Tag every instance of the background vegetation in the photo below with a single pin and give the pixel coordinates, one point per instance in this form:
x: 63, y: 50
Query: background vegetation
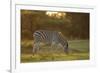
x: 74, y: 26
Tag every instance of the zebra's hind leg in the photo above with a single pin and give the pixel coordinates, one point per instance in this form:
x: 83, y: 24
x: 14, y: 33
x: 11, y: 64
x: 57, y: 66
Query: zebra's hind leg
x: 35, y: 48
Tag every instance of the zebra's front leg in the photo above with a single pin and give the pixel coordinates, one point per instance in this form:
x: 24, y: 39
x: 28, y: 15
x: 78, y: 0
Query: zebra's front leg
x: 54, y: 45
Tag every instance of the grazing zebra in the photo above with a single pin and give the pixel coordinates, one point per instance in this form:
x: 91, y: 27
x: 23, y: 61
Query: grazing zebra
x: 49, y: 37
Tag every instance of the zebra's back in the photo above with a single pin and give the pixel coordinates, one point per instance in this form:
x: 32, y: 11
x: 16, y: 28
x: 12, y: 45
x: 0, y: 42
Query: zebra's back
x: 45, y: 35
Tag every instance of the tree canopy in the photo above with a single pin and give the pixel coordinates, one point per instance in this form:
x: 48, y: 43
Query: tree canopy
x: 73, y: 25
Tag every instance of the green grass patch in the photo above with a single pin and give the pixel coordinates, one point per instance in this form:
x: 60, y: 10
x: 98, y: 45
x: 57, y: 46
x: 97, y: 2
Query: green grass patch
x: 78, y: 50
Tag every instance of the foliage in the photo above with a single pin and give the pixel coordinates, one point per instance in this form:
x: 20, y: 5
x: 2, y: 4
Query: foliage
x: 72, y: 25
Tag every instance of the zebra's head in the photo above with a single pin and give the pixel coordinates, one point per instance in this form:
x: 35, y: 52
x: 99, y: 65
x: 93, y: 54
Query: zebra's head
x: 66, y: 48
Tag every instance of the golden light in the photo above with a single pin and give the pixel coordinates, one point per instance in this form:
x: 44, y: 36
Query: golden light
x: 55, y: 14
x: 51, y: 13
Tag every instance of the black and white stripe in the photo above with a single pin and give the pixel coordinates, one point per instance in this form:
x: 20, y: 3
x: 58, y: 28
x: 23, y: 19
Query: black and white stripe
x: 49, y: 37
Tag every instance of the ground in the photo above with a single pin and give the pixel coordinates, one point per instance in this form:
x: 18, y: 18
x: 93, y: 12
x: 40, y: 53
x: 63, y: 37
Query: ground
x: 78, y: 50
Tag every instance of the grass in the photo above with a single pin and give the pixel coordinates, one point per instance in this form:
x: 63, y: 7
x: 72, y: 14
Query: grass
x: 78, y: 50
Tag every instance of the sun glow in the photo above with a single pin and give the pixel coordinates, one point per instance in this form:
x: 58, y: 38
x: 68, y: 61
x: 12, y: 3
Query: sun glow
x: 56, y: 14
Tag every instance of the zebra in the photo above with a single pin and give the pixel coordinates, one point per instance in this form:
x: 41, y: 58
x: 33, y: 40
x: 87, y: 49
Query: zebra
x: 49, y: 37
